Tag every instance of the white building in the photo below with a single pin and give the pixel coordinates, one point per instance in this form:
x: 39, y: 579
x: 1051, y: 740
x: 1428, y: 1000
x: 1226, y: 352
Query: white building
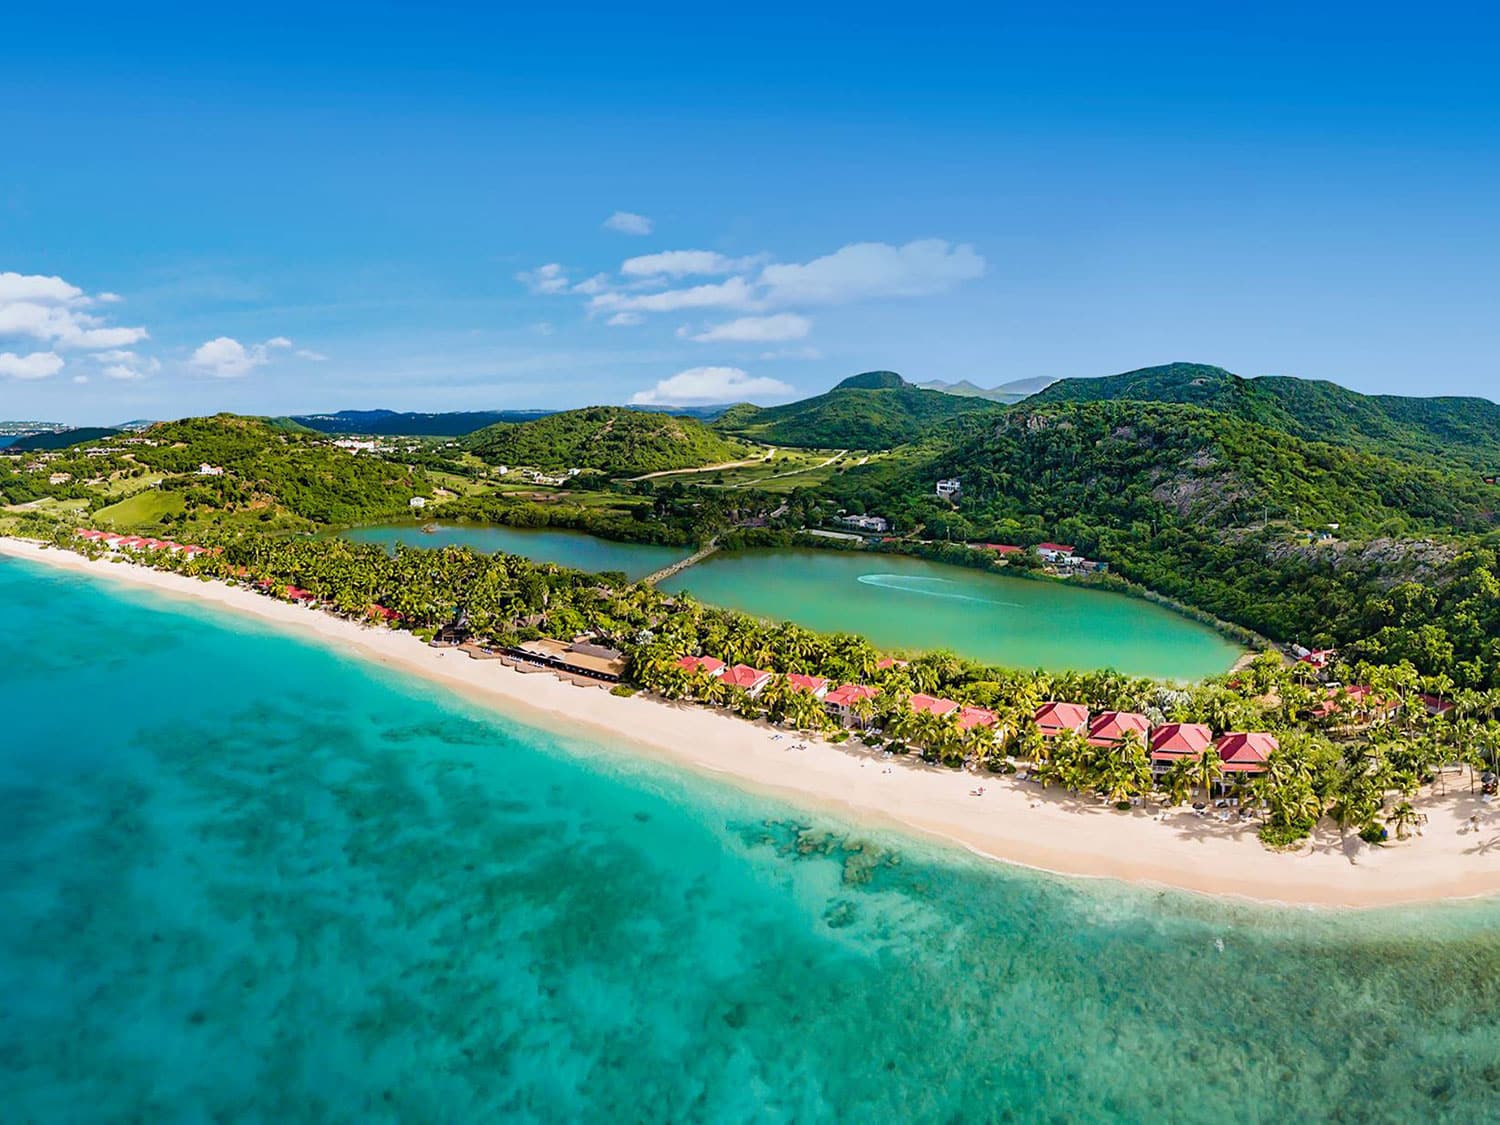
x: 207, y: 470
x: 419, y: 502
x: 950, y: 489
x: 866, y: 523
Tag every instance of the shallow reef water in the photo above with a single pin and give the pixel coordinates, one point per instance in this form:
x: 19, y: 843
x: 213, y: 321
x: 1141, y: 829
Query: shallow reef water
x: 243, y: 877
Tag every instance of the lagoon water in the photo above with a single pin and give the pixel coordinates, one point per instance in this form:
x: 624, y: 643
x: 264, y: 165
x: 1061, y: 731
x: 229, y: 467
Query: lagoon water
x: 569, y: 548
x: 910, y: 603
x: 243, y: 877
x: 898, y: 602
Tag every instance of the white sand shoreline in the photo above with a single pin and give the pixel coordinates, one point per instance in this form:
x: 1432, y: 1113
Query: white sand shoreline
x: 1012, y: 822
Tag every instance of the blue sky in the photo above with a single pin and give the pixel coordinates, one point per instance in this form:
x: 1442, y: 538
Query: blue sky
x: 283, y: 210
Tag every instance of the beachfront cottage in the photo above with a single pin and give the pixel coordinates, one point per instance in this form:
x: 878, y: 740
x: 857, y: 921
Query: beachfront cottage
x: 817, y: 685
x: 843, y: 704
x: 1246, y: 752
x: 1112, y: 728
x: 751, y: 680
x: 1171, y: 742
x: 932, y: 705
x: 1053, y: 718
x: 971, y: 717
x: 692, y: 664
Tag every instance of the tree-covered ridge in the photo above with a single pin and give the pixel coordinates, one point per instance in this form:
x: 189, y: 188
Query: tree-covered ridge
x: 1463, y: 431
x: 1228, y: 516
x: 611, y: 439
x: 271, y: 474
x: 874, y: 410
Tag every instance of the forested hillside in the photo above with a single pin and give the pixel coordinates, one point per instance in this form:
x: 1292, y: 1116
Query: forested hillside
x: 874, y: 410
x: 611, y: 439
x: 1227, y: 515
x: 1454, y: 431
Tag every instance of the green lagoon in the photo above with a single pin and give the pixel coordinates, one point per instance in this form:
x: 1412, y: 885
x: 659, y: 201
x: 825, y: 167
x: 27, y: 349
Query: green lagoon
x: 897, y: 602
x: 910, y: 603
x: 567, y: 548
x: 246, y: 878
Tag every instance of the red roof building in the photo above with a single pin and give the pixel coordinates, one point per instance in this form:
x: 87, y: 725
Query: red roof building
x: 889, y: 662
x: 383, y: 613
x: 1437, y: 706
x: 932, y: 705
x: 1172, y: 741
x: 1054, y: 548
x: 1053, y: 718
x: 971, y: 717
x: 817, y: 685
x: 1246, y: 753
x: 1359, y: 700
x: 1111, y: 728
x: 840, y: 702
x: 1003, y: 548
x: 750, y: 679
x: 709, y: 664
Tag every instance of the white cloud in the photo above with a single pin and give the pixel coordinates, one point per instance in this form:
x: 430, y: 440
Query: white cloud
x: 754, y: 329
x: 126, y: 365
x: 625, y: 320
x: 589, y: 286
x: 543, y: 328
x: 706, y: 385
x: 625, y: 222
x: 682, y: 263
x: 873, y: 269
x: 793, y: 353
x: 545, y: 279
x: 36, y: 287
x: 53, y: 310
x: 80, y: 379
x: 226, y: 358
x: 730, y: 294
x: 308, y: 353
x: 36, y: 365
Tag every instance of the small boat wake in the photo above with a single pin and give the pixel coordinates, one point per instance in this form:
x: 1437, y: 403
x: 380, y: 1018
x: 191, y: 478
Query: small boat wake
x: 930, y: 588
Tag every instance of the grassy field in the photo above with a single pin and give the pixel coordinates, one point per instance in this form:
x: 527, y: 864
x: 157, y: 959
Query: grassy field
x: 140, y: 510
x: 787, y: 470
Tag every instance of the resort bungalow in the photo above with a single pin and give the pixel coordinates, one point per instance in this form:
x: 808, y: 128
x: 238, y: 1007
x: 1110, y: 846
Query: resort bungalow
x: 752, y: 680
x: 692, y: 664
x: 840, y: 703
x: 971, y: 717
x: 1053, y: 718
x: 1112, y: 728
x: 1436, y: 706
x: 932, y: 705
x: 1172, y: 742
x: 1055, y: 552
x: 887, y: 662
x: 1246, y: 753
x: 817, y: 685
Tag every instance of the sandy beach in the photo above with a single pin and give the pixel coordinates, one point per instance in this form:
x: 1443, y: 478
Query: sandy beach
x: 1011, y: 821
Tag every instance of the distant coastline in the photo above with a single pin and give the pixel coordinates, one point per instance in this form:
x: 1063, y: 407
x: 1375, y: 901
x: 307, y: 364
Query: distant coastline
x: 1011, y: 821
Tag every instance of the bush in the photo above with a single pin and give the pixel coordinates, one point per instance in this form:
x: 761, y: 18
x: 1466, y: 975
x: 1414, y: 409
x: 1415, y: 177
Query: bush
x: 1283, y: 835
x: 624, y: 691
x: 1373, y: 834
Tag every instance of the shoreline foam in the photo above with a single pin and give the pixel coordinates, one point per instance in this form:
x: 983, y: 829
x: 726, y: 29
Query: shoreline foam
x: 1012, y: 822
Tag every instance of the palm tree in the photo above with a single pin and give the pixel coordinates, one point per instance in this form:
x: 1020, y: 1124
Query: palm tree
x: 1207, y: 768
x: 1403, y: 818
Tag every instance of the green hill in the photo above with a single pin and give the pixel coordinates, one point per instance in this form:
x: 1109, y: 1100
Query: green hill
x: 1450, y: 430
x: 874, y: 410
x: 612, y: 439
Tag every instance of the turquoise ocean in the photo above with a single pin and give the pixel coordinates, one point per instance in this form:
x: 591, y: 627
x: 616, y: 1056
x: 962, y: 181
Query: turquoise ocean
x: 246, y: 878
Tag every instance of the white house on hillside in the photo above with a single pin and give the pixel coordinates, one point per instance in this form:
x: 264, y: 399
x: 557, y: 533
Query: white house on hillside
x: 950, y: 489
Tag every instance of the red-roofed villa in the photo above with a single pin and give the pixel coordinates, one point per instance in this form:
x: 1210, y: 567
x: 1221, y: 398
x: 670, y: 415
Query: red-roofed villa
x: 817, y: 685
x: 1111, y: 728
x: 1246, y: 752
x: 1053, y: 718
x: 841, y: 703
x: 709, y: 664
x: 751, y: 680
x: 1172, y: 742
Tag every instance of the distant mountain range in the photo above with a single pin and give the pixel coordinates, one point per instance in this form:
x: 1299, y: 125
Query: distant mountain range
x: 1014, y: 391
x: 393, y: 423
